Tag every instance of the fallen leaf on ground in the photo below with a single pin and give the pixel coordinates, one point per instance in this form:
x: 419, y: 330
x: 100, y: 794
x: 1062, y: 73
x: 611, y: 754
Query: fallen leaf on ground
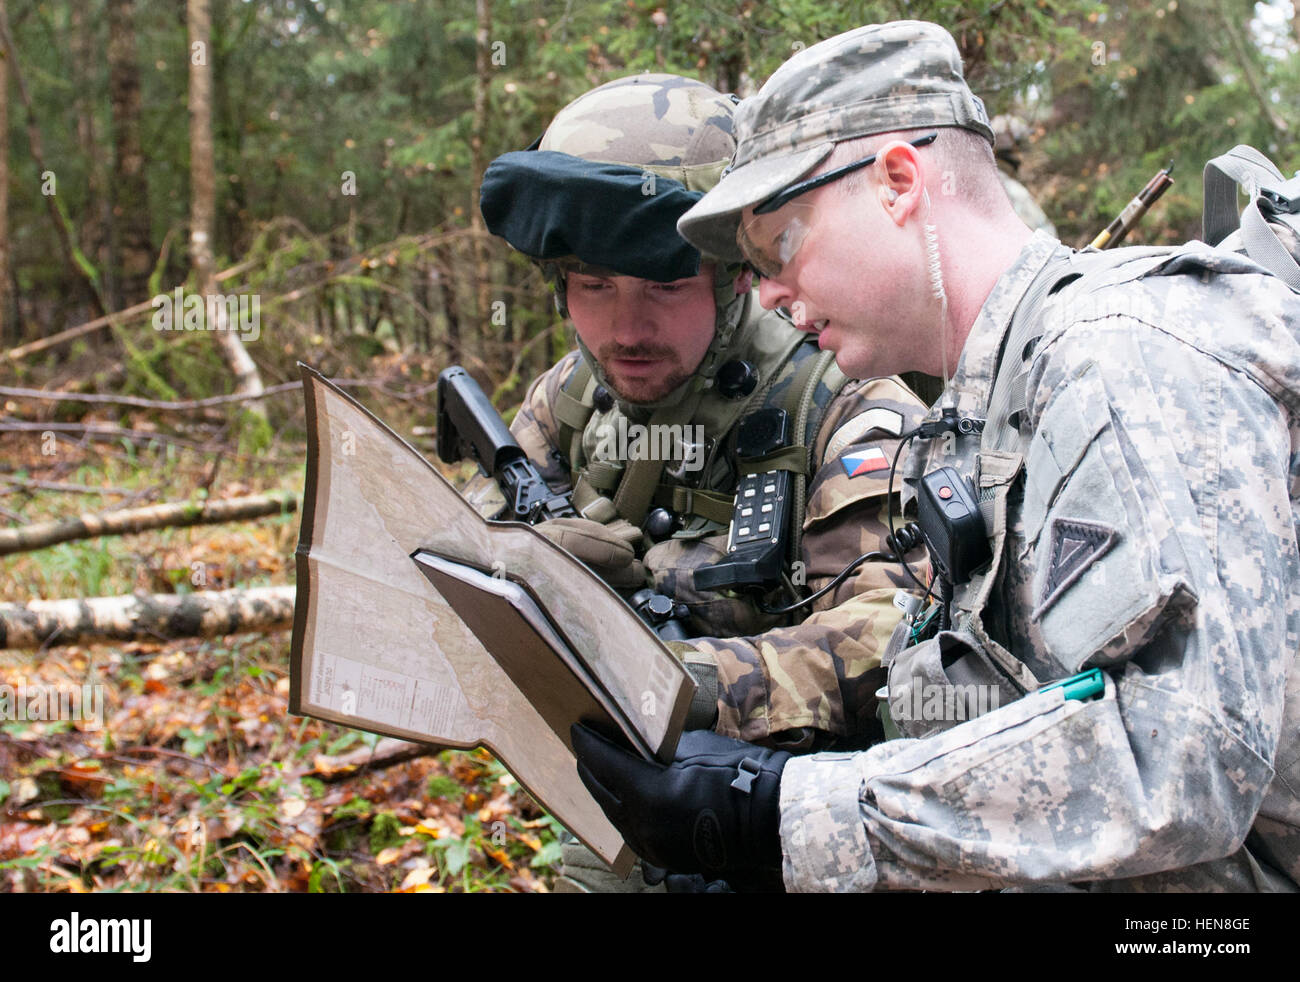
x: 390, y: 855
x: 418, y: 876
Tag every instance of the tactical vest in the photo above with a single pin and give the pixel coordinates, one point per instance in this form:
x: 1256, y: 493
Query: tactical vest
x: 792, y: 375
x: 969, y: 656
x: 1267, y: 231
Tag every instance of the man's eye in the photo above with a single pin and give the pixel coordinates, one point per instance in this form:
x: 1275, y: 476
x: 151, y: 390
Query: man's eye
x: 592, y: 286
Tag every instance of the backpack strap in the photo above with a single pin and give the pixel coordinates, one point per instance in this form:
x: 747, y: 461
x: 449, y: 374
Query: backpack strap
x: 1272, y: 197
x: 1003, y: 449
x: 1007, y: 400
x: 1241, y: 167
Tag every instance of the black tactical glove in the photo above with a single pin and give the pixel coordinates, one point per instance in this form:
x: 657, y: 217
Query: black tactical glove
x: 683, y: 882
x: 714, y: 810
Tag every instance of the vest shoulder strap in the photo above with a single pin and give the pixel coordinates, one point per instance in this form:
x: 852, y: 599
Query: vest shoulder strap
x: 1007, y: 403
x: 814, y: 370
x: 574, y: 404
x: 817, y: 380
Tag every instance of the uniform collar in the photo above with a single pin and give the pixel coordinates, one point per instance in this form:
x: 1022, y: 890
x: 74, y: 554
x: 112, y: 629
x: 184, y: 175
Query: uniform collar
x: 972, y: 383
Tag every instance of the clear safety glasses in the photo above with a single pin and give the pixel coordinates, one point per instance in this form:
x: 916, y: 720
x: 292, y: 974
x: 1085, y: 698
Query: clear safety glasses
x: 769, y: 244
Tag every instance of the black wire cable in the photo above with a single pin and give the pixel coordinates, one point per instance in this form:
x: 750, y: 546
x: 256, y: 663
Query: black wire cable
x: 901, y: 541
x: 893, y: 540
x: 909, y: 536
x: 887, y: 557
x: 945, y: 598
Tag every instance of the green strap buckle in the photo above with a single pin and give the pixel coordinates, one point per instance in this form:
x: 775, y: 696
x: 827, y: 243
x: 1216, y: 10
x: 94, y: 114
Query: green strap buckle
x: 1085, y: 685
x: 887, y: 723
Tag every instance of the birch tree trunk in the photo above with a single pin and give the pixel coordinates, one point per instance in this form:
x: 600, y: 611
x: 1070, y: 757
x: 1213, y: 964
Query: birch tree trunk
x: 203, y: 197
x: 144, y: 617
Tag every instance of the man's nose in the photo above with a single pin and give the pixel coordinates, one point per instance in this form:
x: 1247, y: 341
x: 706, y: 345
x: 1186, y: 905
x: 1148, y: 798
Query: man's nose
x: 772, y: 294
x: 632, y: 320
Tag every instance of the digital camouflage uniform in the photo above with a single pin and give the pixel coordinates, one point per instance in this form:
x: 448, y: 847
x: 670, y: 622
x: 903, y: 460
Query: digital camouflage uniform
x: 1150, y: 530
x: 1154, y: 535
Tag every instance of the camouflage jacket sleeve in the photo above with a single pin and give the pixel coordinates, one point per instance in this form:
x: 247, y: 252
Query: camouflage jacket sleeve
x: 535, y: 425
x: 822, y: 674
x: 1177, y: 469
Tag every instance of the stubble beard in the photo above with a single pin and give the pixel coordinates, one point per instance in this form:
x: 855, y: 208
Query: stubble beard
x: 642, y: 389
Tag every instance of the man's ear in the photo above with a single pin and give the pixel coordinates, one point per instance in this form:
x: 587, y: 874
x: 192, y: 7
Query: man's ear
x: 744, y: 282
x: 901, y: 180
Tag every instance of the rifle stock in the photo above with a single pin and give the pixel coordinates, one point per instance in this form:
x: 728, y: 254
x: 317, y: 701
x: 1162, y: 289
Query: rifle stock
x: 468, y: 426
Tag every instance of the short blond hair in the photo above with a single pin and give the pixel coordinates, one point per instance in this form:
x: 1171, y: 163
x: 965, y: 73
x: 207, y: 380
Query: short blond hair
x: 965, y: 161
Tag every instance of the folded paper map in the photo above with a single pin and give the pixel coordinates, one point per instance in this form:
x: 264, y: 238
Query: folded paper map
x: 540, y: 640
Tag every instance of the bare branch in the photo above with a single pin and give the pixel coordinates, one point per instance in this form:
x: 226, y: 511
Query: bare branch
x: 115, y: 318
x: 188, y: 404
x: 19, y: 482
x: 141, y: 403
x: 104, y: 432
x: 166, y: 515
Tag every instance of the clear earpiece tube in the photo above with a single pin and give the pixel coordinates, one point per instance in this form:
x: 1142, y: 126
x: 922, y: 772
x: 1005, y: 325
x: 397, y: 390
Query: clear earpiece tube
x: 935, y: 268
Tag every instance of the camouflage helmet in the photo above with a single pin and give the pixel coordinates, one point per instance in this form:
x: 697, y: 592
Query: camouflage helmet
x: 669, y: 125
x: 672, y: 127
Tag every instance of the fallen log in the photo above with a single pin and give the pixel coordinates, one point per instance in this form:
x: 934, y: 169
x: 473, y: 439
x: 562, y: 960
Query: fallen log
x: 167, y: 515
x: 142, y: 616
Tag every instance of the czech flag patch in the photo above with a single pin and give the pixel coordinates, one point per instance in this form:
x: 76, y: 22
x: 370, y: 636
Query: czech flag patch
x: 865, y: 461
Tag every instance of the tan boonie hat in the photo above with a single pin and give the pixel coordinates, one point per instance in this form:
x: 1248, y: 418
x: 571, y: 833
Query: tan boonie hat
x: 875, y: 79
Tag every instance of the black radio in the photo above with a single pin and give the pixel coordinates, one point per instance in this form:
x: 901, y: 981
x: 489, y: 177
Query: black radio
x: 756, y: 542
x: 950, y: 520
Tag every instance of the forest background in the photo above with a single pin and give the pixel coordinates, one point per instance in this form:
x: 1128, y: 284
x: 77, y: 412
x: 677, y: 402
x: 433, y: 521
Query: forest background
x: 322, y: 160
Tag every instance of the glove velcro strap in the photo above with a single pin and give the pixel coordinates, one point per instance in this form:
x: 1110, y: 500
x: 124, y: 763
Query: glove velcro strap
x: 703, y: 710
x: 591, y: 504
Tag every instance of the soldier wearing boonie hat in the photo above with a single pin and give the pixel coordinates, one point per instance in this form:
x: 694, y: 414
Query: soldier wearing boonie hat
x: 1128, y: 424
x: 876, y: 79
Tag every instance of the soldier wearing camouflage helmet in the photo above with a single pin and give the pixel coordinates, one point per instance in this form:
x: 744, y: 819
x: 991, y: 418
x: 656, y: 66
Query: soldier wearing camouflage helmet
x: 1130, y: 425
x: 672, y: 338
